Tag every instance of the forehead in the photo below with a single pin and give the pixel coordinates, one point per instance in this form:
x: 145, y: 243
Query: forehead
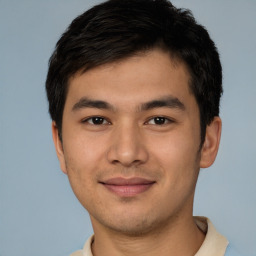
x: 139, y: 78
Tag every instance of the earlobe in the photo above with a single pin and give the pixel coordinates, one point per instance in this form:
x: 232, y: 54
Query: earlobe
x: 211, y: 144
x: 58, y: 147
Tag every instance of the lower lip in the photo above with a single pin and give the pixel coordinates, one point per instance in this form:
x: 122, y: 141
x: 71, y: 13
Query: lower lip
x: 128, y: 190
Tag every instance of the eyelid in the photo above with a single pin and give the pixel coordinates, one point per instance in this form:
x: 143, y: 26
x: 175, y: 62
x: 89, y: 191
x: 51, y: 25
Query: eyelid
x: 86, y: 120
x: 168, y: 119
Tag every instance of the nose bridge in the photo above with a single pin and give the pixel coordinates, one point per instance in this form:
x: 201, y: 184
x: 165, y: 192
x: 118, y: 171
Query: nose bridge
x: 127, y: 145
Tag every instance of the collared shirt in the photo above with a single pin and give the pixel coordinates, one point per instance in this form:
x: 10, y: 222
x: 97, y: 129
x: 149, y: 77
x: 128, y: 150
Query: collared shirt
x: 214, y: 243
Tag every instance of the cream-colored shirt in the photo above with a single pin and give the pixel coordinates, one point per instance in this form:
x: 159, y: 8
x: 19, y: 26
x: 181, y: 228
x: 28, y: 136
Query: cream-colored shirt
x: 214, y: 243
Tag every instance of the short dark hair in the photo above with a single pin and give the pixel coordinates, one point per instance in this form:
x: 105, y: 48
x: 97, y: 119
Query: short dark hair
x: 118, y: 29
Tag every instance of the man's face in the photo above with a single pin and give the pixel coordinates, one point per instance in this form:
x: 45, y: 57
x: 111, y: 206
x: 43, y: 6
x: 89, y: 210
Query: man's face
x: 131, y: 138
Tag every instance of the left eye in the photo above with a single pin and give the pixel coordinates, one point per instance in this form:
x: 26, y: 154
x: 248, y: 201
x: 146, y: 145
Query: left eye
x: 96, y: 120
x: 159, y: 120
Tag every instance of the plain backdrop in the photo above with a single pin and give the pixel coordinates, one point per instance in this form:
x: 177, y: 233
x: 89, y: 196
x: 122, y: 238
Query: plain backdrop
x: 39, y: 215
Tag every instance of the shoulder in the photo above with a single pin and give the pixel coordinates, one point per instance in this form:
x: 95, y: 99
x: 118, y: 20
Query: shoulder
x: 77, y: 253
x: 86, y: 251
x: 230, y: 251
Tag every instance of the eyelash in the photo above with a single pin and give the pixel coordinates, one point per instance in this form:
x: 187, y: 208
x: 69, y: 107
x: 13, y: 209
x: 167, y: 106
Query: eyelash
x: 165, y: 120
x: 89, y: 120
x: 103, y: 121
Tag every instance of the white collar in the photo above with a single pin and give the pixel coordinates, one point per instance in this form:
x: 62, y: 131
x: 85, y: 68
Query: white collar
x: 214, y: 243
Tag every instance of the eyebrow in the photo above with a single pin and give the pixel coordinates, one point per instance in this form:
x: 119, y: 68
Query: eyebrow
x: 167, y: 101
x: 89, y: 103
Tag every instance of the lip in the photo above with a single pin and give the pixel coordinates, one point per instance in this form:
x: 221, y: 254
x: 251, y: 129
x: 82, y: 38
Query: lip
x: 128, y: 187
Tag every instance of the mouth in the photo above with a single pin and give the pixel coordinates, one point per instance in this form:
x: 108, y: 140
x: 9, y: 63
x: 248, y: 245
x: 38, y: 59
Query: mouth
x: 128, y: 187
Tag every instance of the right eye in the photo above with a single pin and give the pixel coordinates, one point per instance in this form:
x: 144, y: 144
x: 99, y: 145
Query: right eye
x: 96, y: 120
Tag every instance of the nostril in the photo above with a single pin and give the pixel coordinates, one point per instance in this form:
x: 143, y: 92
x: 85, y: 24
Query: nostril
x: 127, y: 148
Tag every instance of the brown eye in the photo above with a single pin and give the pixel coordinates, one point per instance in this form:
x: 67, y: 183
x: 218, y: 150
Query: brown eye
x: 159, y: 120
x: 96, y: 120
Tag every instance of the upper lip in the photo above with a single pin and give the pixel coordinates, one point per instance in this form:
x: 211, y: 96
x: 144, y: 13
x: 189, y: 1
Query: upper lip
x: 120, y: 181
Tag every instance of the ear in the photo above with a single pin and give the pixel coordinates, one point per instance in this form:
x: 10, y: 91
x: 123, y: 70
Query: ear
x: 211, y: 144
x: 58, y: 147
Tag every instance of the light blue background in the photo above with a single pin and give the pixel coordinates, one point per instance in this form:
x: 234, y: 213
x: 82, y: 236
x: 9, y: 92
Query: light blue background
x: 39, y: 215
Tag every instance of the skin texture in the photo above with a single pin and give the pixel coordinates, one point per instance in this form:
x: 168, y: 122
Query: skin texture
x: 129, y: 143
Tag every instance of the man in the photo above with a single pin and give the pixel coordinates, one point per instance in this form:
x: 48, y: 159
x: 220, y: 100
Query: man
x: 134, y: 88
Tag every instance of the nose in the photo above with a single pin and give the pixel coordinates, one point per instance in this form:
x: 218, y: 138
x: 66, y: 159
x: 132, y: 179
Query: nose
x: 127, y: 146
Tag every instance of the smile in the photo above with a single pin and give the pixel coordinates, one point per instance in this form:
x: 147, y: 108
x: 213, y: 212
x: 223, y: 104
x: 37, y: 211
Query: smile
x: 128, y: 187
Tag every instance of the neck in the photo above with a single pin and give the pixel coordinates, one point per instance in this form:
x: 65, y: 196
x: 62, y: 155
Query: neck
x: 180, y: 238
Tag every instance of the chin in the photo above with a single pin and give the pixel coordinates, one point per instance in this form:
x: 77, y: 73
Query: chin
x: 134, y: 226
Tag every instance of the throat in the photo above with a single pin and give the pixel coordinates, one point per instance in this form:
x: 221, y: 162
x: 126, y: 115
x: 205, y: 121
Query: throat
x: 178, y: 241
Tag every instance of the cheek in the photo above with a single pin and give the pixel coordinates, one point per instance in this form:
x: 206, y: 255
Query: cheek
x: 178, y: 157
x: 178, y: 148
x: 83, y: 156
x: 81, y: 168
x: 83, y: 150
